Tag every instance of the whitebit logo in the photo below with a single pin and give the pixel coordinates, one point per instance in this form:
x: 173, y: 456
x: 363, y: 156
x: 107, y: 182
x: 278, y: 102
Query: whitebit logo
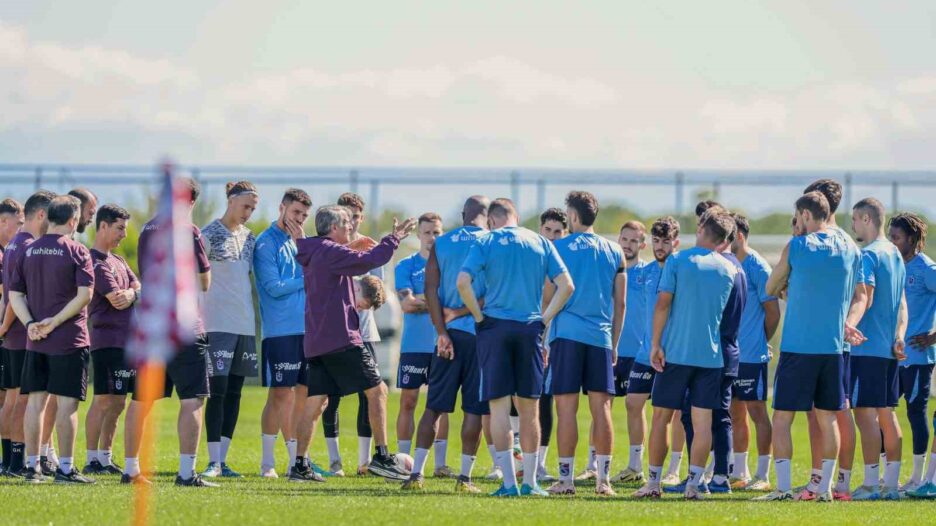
x: 40, y: 251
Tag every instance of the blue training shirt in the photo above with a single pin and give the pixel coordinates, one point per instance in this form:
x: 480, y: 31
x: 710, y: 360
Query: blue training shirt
x: 752, y: 339
x: 451, y: 249
x: 651, y: 279
x: 418, y: 332
x: 921, y: 307
x: 593, y: 263
x: 280, y: 287
x: 515, y: 262
x: 824, y: 269
x: 635, y: 317
x: 731, y: 318
x: 701, y: 281
x: 882, y: 267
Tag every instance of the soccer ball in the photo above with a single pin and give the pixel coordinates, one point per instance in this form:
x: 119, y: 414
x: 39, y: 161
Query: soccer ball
x: 405, y: 461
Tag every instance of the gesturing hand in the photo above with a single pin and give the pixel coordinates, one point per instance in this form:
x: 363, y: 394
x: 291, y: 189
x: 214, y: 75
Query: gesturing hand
x: 401, y: 230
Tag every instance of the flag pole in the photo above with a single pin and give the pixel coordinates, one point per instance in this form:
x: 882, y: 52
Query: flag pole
x: 150, y: 383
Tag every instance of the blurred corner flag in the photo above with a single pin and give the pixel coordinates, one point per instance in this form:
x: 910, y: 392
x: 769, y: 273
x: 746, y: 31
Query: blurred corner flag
x: 167, y: 310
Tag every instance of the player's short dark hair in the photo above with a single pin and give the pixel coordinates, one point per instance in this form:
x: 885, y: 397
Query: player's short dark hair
x: 429, y: 217
x: 110, y: 214
x: 913, y: 226
x: 718, y: 225
x: 10, y: 206
x: 193, y: 186
x: 63, y: 208
x: 555, y: 214
x: 373, y: 290
x: 830, y: 189
x: 502, y: 207
x: 815, y: 203
x: 874, y: 209
x: 38, y: 201
x: 637, y: 226
x: 351, y: 200
x: 235, y: 188
x: 702, y: 206
x: 295, y: 195
x: 475, y: 206
x: 83, y: 194
x: 741, y: 223
x: 665, y: 227
x: 585, y: 205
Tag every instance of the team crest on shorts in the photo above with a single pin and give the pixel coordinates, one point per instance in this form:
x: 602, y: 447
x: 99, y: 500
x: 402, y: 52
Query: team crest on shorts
x: 118, y: 384
x: 405, y: 378
x: 279, y: 376
x: 220, y: 364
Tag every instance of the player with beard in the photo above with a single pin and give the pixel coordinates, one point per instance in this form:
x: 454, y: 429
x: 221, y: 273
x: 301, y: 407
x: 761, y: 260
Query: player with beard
x: 11, y: 219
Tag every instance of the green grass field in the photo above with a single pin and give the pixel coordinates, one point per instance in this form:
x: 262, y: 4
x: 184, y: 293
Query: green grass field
x: 370, y: 500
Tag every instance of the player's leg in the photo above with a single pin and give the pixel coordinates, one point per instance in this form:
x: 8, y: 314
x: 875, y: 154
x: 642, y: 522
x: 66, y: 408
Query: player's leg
x: 66, y: 425
x: 232, y: 400
x: 409, y: 399
x: 93, y: 421
x: 892, y: 435
x: 915, y: 388
x: 214, y: 420
x: 32, y: 431
x: 113, y: 409
x: 301, y: 470
x: 364, y: 432
x: 763, y: 430
x: 440, y: 449
x: 331, y: 428
x: 546, y: 430
x: 845, y: 420
x: 657, y: 445
x: 278, y: 401
x: 600, y: 405
x: 638, y: 392
x: 47, y: 457
x: 740, y: 436
x: 721, y: 438
x: 134, y: 421
x: 566, y: 440
x: 677, y: 447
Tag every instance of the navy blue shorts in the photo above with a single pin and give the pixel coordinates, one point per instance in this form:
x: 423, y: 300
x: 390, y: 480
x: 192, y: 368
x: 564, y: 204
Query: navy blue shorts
x: 622, y: 371
x: 641, y: 379
x: 576, y: 366
x: 751, y: 383
x: 702, y: 385
x: 511, y: 357
x: 804, y: 381
x: 282, y: 360
x: 846, y: 374
x: 874, y: 382
x: 915, y: 382
x: 446, y: 377
x: 414, y: 370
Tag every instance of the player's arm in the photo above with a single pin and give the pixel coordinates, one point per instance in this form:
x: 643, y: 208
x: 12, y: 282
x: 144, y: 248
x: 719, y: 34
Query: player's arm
x: 267, y: 276
x: 564, y: 290
x: 899, y: 345
x: 433, y: 303
x: 549, y: 290
x: 771, y: 318
x: 69, y: 311
x: 106, y: 284
x: 661, y: 312
x: 780, y: 276
x: 927, y: 338
x: 466, y: 291
x: 856, y: 310
x: 620, y: 309
x: 8, y: 318
x: 20, y: 307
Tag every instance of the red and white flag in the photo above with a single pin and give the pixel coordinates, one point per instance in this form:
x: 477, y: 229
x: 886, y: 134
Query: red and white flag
x: 169, y: 293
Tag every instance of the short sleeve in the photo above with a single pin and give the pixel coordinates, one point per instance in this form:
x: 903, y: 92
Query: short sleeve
x: 403, y: 275
x: 475, y: 260
x: 554, y: 264
x: 201, y: 253
x: 668, y: 276
x: 868, y: 264
x: 84, y: 268
x: 761, y: 276
x: 929, y: 277
x: 105, y: 281
x: 17, y: 281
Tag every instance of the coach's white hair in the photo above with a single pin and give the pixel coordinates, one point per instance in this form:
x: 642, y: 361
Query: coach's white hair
x: 328, y: 216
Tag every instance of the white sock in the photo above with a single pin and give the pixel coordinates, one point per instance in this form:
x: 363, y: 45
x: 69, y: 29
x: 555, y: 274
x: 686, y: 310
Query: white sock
x: 566, y: 467
x: 506, y: 462
x: 44, y: 450
x: 441, y: 452
x: 592, y: 459
x: 291, y: 449
x: 214, y: 452
x: 675, y: 462
x: 467, y: 465
x: 186, y: 466
x: 604, y: 468
x: 364, y: 450
x: 931, y: 469
x: 225, y: 446
x: 710, y: 468
x: 872, y: 476
x: 919, y: 461
x: 105, y: 456
x: 695, y: 475
x: 66, y: 464
x: 50, y: 453
x: 844, y: 480
x: 740, y: 467
x: 493, y: 451
x: 827, y: 476
x: 268, y: 458
x: 404, y: 446
x: 814, y: 476
x: 542, y: 458
x: 334, y: 454
x: 131, y: 466
x: 32, y: 461
x: 763, y: 467
x: 635, y: 457
x: 530, y: 461
x: 892, y: 474
x: 515, y: 426
x: 883, y: 459
x: 419, y: 460
x: 653, y: 480
x: 92, y: 456
x: 784, y: 478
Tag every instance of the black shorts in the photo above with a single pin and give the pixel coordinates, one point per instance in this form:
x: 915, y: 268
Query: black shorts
x: 234, y: 354
x: 13, y: 368
x: 348, y: 371
x: 187, y: 372
x: 112, y: 375
x: 57, y: 374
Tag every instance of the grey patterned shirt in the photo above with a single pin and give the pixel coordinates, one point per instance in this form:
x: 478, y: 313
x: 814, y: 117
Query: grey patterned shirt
x: 228, y: 304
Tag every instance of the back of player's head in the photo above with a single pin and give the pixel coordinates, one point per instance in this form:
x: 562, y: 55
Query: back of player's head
x: 36, y: 202
x: 665, y: 228
x: 476, y: 205
x: 585, y: 205
x: 830, y: 189
x: 351, y: 200
x: 10, y: 206
x: 429, y: 217
x: 913, y: 226
x: 873, y: 208
x: 502, y: 208
x: 637, y: 226
x: 742, y: 225
x: 236, y: 188
x: 373, y: 290
x: 815, y: 203
x: 193, y: 187
x: 295, y: 195
x: 110, y: 214
x: 83, y: 194
x: 702, y: 206
x: 717, y: 225
x: 63, y: 209
x: 329, y: 216
x: 555, y: 214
